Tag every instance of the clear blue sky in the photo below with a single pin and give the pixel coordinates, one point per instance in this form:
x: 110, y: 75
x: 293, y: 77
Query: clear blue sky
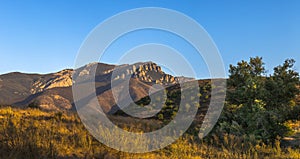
x: 44, y: 36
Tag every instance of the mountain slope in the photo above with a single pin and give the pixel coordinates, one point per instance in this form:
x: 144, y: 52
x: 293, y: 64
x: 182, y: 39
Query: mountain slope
x: 54, y: 91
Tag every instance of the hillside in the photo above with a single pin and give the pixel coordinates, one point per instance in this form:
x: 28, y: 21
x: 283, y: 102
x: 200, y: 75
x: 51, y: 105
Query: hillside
x: 42, y: 122
x: 54, y: 91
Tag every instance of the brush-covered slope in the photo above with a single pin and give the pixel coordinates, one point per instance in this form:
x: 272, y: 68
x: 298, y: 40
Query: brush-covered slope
x: 54, y: 91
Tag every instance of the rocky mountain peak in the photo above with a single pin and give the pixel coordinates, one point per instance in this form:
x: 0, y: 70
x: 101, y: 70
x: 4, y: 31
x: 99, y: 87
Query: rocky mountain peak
x: 147, y: 72
x: 53, y: 91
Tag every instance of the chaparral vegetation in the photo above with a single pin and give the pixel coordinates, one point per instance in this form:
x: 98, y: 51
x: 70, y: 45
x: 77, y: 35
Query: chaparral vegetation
x: 260, y: 119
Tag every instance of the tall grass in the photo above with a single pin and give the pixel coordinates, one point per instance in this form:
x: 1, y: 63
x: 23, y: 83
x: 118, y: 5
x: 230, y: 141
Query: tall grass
x: 32, y: 133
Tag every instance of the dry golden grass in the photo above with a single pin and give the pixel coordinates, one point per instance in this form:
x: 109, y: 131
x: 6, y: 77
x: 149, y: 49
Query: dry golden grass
x: 32, y: 133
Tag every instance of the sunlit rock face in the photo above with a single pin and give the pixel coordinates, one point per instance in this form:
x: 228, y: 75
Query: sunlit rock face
x: 54, y: 91
x: 150, y: 72
x: 59, y: 79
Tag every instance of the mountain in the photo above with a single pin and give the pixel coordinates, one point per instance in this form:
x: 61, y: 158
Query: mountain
x: 54, y: 91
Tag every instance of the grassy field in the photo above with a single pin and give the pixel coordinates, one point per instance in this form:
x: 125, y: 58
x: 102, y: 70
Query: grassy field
x: 32, y: 133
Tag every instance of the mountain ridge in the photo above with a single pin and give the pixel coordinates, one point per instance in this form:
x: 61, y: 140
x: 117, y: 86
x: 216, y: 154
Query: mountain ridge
x: 53, y: 91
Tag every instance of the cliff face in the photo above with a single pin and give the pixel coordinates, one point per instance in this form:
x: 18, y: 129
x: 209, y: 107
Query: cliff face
x: 54, y: 91
x: 146, y: 72
x: 59, y: 79
x: 152, y: 73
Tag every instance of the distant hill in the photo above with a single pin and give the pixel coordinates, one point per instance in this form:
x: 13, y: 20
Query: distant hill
x: 54, y: 91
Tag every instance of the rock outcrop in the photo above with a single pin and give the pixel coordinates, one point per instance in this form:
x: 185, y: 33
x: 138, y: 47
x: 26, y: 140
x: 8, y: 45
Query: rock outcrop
x: 54, y: 91
x: 59, y: 79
